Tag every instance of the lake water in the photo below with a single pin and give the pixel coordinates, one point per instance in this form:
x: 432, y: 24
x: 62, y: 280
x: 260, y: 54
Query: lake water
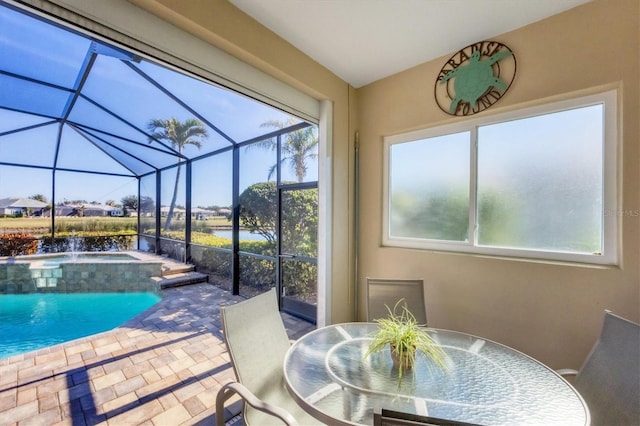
x: 244, y: 235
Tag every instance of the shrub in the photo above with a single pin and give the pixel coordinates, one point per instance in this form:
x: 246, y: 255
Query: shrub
x: 214, y: 261
x: 87, y: 242
x: 17, y: 244
x: 259, y: 274
x: 300, y: 280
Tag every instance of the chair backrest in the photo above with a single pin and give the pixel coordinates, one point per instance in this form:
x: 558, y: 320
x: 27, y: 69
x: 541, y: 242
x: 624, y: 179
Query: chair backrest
x: 387, y: 292
x: 257, y: 342
x: 609, y: 380
x: 383, y: 417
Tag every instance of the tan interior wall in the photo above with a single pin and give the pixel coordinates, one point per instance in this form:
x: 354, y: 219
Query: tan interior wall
x: 552, y: 312
x: 226, y: 27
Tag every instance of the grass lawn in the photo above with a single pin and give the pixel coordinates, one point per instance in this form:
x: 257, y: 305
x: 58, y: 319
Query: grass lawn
x: 40, y: 225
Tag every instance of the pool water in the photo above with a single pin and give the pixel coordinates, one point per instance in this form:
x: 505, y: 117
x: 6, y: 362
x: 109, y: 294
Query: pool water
x: 33, y: 321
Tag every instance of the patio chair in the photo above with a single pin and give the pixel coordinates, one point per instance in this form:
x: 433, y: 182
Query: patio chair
x: 609, y: 379
x: 257, y: 343
x: 384, y: 417
x: 387, y: 292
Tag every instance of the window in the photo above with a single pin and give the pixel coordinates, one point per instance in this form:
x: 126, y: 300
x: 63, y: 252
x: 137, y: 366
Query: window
x: 535, y: 183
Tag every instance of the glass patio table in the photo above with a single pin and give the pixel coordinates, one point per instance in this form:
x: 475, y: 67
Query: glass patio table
x: 485, y: 382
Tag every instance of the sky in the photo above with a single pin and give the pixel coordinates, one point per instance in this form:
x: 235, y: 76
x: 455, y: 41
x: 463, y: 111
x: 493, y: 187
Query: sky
x: 31, y: 48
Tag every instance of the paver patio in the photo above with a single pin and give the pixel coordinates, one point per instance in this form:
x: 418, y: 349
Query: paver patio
x: 164, y: 367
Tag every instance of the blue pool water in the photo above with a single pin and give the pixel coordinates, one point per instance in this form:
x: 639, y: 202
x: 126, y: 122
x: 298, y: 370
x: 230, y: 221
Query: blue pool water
x: 34, y: 321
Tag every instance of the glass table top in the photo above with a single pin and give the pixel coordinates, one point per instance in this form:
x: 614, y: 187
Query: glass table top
x: 484, y: 382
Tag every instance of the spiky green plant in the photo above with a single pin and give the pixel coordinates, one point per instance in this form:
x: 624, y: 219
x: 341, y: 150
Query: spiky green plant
x: 406, y: 340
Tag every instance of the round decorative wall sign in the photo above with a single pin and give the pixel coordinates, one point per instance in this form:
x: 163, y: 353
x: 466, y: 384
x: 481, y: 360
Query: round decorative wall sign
x: 475, y: 78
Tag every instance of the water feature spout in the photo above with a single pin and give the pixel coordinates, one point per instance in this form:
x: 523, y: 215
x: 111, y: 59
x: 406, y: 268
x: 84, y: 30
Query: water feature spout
x: 74, y: 245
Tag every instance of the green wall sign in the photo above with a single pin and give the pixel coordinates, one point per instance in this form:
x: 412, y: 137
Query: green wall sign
x: 475, y: 78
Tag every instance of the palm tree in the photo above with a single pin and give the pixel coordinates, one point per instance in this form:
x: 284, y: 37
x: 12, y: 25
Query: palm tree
x: 298, y: 147
x: 179, y: 134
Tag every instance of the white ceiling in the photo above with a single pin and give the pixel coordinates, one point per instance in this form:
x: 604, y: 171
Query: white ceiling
x: 362, y: 41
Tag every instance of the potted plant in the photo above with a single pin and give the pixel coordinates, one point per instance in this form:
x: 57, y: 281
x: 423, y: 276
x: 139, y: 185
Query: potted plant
x: 406, y: 340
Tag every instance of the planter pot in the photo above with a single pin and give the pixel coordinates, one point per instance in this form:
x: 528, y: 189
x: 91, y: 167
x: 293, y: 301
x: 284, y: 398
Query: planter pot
x: 408, y: 358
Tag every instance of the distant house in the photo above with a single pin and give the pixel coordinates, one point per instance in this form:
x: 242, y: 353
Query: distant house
x: 89, y: 210
x: 196, y: 213
x: 201, y: 214
x: 115, y: 211
x: 102, y: 210
x: 66, y: 210
x: 14, y: 206
x: 178, y: 213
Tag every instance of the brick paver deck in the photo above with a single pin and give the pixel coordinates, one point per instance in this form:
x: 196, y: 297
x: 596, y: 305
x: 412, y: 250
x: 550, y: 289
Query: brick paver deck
x: 163, y: 367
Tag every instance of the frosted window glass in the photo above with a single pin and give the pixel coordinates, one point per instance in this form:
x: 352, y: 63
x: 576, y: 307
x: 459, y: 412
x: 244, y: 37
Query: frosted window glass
x: 540, y: 182
x: 535, y: 183
x: 429, y: 188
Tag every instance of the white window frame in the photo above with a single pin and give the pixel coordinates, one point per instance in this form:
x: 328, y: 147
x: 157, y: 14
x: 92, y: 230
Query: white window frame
x: 611, y: 199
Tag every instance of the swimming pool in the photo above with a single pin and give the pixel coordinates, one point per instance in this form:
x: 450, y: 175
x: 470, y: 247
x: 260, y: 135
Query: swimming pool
x: 34, y: 321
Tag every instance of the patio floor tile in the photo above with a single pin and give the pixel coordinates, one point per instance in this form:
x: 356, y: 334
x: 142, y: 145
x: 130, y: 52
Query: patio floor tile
x: 163, y: 367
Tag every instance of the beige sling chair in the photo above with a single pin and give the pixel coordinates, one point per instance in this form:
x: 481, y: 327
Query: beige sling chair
x: 609, y: 380
x: 387, y: 292
x: 257, y: 342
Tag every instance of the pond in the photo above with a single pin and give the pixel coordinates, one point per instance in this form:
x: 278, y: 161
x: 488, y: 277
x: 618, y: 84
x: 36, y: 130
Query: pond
x: 244, y: 235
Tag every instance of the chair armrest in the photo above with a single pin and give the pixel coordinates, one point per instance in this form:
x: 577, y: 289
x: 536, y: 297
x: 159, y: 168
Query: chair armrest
x: 567, y: 372
x: 231, y: 388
